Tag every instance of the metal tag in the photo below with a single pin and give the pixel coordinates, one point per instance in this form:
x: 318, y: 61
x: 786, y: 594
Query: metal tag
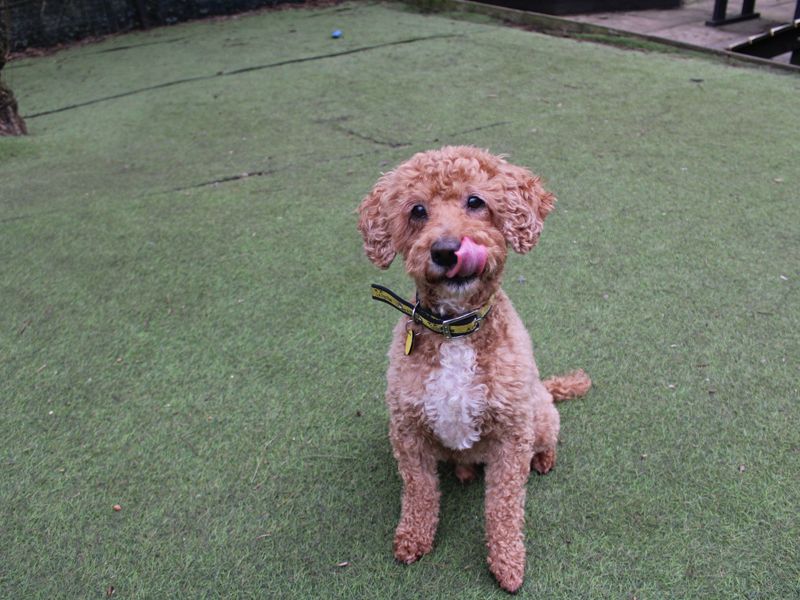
x: 409, y: 341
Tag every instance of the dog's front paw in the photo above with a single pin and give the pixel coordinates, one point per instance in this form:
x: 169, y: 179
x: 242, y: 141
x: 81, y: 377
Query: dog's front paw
x: 410, y: 546
x: 508, y: 566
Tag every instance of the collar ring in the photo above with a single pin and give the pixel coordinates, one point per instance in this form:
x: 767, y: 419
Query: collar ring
x: 414, y: 312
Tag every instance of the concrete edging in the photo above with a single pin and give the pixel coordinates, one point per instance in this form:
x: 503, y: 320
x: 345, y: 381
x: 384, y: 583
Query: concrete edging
x: 560, y: 26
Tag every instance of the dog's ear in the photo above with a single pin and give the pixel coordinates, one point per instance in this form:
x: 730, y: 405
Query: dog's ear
x: 524, y: 208
x: 374, y: 226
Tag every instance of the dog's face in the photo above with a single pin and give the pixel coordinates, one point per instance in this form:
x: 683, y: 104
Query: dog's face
x: 451, y: 214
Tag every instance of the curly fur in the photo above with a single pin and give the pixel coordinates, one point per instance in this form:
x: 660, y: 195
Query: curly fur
x: 454, y: 401
x: 472, y: 400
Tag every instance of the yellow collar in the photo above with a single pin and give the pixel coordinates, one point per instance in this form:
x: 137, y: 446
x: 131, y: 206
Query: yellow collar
x: 454, y: 327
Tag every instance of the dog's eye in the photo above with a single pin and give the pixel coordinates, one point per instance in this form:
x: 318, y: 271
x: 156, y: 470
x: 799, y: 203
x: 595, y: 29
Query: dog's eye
x: 418, y: 212
x: 474, y: 203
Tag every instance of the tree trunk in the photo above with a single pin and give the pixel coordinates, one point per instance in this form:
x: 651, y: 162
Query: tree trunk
x: 10, y: 121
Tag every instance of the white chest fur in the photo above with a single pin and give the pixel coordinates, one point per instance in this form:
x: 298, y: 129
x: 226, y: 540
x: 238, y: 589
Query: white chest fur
x: 454, y: 401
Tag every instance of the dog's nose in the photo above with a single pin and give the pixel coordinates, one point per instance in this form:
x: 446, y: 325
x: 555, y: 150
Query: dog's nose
x: 443, y: 252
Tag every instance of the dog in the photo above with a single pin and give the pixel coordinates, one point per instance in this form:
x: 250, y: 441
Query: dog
x: 463, y: 386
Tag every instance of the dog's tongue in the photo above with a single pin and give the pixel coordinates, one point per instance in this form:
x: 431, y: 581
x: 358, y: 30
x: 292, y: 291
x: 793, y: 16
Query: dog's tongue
x: 471, y: 259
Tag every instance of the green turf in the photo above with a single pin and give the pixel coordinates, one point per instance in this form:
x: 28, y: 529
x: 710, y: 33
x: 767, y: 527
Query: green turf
x: 207, y: 356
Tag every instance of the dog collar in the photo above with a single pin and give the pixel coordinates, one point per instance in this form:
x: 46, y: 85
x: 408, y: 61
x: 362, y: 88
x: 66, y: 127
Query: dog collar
x: 454, y: 327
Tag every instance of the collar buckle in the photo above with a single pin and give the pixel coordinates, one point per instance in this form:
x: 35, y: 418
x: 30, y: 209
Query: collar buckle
x: 473, y: 316
x: 446, y: 330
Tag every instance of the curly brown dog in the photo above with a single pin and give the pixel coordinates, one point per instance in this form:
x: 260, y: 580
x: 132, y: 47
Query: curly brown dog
x: 462, y: 382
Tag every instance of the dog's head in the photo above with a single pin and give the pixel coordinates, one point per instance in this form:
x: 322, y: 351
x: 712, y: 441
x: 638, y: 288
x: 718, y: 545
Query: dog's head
x: 451, y: 214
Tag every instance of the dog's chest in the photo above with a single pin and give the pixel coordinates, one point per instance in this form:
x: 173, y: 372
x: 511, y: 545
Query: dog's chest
x: 454, y: 400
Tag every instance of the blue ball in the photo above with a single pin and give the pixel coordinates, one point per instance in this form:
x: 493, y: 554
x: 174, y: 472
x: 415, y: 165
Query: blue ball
x: 336, y: 34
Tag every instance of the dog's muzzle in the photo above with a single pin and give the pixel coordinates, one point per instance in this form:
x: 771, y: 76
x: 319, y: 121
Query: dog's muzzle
x: 461, y: 259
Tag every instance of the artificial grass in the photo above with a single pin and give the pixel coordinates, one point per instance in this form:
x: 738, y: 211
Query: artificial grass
x: 206, y: 355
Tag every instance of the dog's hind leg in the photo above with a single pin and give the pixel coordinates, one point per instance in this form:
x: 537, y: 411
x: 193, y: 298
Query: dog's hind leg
x: 544, y: 461
x: 546, y: 425
x: 561, y: 387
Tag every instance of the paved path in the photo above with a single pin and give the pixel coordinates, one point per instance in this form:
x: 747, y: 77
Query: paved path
x: 687, y: 24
